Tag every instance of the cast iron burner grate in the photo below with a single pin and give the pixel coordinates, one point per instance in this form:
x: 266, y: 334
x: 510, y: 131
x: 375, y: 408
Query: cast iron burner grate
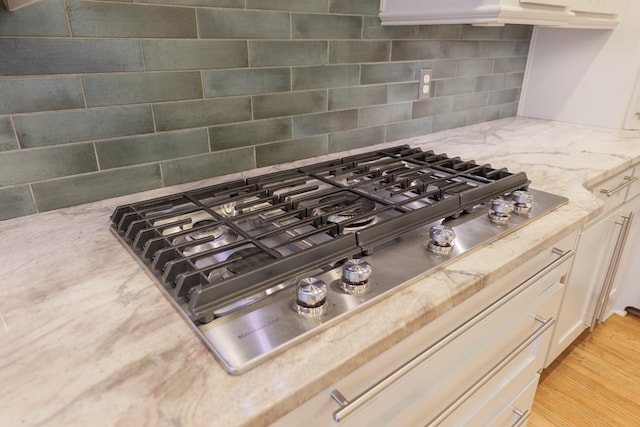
x: 296, y: 220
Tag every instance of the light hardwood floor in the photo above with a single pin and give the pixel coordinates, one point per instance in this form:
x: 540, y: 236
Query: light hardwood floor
x: 595, y: 382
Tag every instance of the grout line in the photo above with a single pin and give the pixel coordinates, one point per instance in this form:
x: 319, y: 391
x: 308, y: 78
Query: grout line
x: 35, y: 205
x: 67, y: 19
x: 209, y: 140
x: 153, y: 119
x: 15, y: 131
x: 202, y: 83
x: 144, y: 65
x: 95, y: 153
x: 84, y: 95
x: 195, y: 11
x: 162, y: 182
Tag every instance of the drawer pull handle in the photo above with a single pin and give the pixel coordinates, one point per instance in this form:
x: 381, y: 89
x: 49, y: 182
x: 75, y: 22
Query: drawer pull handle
x: 628, y: 180
x: 612, y: 271
x: 559, y: 252
x: 348, y: 407
x: 544, y: 325
x: 522, y: 417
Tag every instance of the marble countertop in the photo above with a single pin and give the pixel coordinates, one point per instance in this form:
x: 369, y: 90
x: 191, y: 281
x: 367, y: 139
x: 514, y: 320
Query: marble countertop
x: 86, y: 338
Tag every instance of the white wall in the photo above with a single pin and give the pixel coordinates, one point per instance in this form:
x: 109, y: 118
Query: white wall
x: 583, y: 76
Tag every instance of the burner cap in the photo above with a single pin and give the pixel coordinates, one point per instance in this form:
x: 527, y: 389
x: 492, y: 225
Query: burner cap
x: 343, y: 207
x: 201, y: 233
x: 226, y: 210
x: 214, y: 237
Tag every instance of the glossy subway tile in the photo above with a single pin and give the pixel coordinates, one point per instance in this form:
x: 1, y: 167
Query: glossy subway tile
x: 70, y: 191
x: 136, y: 88
x: 16, y: 201
x: 105, y: 19
x: 40, y: 129
x: 47, y: 163
x: 32, y: 94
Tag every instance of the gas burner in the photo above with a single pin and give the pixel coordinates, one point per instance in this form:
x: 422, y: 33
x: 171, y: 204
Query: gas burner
x: 355, y: 276
x: 500, y: 212
x: 202, y: 233
x: 206, y: 237
x: 226, y: 210
x: 311, y: 296
x: 442, y: 238
x: 345, y: 207
x: 523, y: 201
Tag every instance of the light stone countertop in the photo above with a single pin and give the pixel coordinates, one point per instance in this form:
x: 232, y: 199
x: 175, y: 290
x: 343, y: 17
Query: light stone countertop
x: 86, y: 338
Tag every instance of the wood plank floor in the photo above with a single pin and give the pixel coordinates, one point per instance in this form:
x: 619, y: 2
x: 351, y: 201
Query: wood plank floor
x: 595, y: 382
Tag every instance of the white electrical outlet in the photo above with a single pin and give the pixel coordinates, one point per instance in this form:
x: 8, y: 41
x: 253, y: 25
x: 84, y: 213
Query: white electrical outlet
x: 425, y: 83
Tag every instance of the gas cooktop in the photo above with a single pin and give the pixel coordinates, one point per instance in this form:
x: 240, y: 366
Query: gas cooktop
x: 260, y: 264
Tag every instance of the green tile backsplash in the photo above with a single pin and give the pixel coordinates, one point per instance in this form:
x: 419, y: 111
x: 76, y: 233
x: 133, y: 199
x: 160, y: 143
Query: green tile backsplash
x: 100, y: 99
x: 43, y: 19
x: 61, y: 127
x: 41, y: 56
x: 7, y: 137
x: 31, y: 94
x: 52, y: 162
x: 140, y: 88
x: 101, y: 19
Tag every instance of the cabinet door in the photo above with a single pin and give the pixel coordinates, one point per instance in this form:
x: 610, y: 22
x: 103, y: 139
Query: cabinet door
x: 608, y: 7
x: 627, y: 284
x: 492, y: 12
x: 561, y: 3
x: 590, y: 265
x: 632, y: 119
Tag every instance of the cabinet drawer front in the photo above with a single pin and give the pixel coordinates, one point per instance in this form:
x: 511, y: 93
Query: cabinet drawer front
x: 504, y: 401
x: 517, y: 412
x: 634, y: 189
x: 432, y: 386
x: 502, y: 387
x: 613, y: 191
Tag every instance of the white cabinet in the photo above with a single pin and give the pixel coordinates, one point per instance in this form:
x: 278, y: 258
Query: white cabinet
x: 492, y: 12
x: 477, y: 363
x: 593, y: 284
x: 632, y: 119
x: 585, y: 76
x: 603, y: 7
x: 628, y: 283
x: 563, y: 13
x: 596, y: 14
x: 593, y: 257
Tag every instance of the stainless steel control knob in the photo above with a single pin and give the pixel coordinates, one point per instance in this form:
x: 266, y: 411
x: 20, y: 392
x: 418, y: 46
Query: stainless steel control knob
x: 520, y: 196
x: 311, y: 292
x: 355, y: 276
x: 311, y: 296
x: 442, y: 235
x: 356, y: 271
x: 502, y: 206
x: 523, y: 201
x: 500, y: 211
x: 441, y: 239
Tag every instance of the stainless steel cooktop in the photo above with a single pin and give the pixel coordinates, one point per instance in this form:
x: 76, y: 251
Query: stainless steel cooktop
x: 258, y: 265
